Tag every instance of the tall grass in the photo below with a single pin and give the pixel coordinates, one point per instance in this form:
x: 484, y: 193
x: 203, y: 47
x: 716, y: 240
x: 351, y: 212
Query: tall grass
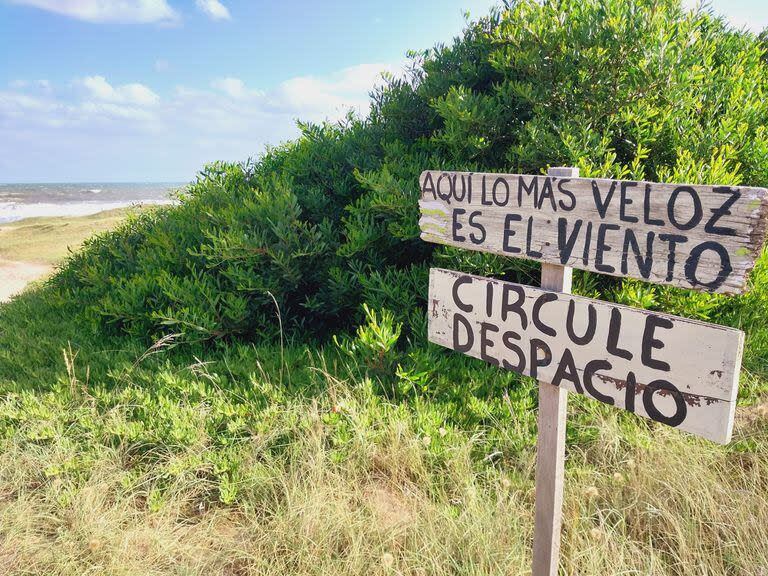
x: 384, y: 498
x: 291, y: 418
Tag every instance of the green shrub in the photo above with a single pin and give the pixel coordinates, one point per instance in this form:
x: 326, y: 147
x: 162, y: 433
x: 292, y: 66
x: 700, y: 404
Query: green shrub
x: 301, y: 238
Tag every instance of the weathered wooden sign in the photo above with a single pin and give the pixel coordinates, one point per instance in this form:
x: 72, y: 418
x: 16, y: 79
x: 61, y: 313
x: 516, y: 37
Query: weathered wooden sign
x: 691, y: 236
x: 672, y: 370
x: 680, y: 372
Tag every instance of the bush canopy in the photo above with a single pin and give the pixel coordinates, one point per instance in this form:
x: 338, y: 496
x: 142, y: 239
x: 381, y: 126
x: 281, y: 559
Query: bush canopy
x: 314, y: 229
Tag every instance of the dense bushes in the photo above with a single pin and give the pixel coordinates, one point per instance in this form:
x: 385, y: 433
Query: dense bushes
x: 112, y: 444
x: 313, y: 229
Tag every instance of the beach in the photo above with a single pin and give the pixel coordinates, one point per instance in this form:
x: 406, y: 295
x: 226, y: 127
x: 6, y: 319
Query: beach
x: 30, y: 249
x: 14, y: 276
x: 41, y: 223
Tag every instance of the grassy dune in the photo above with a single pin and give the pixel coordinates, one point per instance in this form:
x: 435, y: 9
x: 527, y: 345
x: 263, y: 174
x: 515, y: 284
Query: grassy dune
x: 128, y: 480
x: 116, y: 458
x: 31, y: 248
x: 48, y: 240
x: 242, y: 384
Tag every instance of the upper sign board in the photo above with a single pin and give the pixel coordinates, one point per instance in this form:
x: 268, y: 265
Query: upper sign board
x: 673, y: 370
x: 690, y: 236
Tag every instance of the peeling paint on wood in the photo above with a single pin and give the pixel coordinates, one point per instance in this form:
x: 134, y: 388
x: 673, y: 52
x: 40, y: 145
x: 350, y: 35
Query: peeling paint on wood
x: 673, y: 370
x: 691, y: 236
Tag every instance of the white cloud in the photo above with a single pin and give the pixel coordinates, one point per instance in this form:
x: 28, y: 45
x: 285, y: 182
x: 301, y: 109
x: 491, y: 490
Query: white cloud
x: 234, y: 87
x: 333, y: 95
x: 136, y: 94
x: 142, y: 11
x: 94, y: 129
x: 21, y: 84
x: 214, y: 8
x: 310, y: 97
x: 112, y: 111
x: 14, y: 104
x: 32, y: 113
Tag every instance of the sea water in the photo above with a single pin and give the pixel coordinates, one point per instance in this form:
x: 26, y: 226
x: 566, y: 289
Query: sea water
x: 19, y: 201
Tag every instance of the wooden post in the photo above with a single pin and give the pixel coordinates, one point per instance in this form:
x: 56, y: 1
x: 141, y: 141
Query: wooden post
x: 550, y: 454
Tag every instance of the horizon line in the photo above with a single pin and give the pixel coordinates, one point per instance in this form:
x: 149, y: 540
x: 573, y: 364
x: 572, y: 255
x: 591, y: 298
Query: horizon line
x: 96, y: 182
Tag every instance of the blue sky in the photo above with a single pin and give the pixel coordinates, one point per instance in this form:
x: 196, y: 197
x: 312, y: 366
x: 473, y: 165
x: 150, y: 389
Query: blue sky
x: 151, y: 90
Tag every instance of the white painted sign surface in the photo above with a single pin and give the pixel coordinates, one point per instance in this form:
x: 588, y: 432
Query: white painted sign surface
x: 692, y: 236
x: 673, y: 370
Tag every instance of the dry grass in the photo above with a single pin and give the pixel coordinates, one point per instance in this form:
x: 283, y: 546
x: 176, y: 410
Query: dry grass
x: 669, y: 505
x: 48, y: 240
x: 676, y: 506
x: 30, y: 249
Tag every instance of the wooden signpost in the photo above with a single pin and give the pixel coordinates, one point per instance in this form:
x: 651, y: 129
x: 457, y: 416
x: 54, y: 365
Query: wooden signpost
x: 676, y: 371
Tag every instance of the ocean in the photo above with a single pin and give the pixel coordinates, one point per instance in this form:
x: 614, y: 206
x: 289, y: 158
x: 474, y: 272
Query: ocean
x: 19, y: 201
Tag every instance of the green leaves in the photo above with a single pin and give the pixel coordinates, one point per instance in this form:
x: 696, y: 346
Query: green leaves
x: 375, y: 341
x: 329, y: 222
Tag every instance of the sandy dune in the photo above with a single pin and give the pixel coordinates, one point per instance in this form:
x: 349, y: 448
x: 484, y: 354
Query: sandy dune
x: 14, y: 276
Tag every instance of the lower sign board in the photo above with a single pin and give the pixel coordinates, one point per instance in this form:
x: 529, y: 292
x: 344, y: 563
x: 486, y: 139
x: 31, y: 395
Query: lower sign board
x: 680, y: 372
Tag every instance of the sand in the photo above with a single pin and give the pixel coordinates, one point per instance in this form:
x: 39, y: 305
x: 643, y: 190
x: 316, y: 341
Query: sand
x: 14, y: 276
x: 29, y: 249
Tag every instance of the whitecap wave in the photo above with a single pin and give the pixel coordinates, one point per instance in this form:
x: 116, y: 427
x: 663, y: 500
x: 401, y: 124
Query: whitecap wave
x: 15, y: 211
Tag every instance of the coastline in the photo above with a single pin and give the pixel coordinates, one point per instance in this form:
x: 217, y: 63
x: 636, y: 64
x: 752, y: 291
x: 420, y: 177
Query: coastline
x: 31, y: 248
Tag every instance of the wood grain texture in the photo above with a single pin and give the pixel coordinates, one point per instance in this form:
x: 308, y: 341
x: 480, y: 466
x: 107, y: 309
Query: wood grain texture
x: 550, y: 471
x: 627, y: 361
x: 550, y: 443
x: 699, y: 237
